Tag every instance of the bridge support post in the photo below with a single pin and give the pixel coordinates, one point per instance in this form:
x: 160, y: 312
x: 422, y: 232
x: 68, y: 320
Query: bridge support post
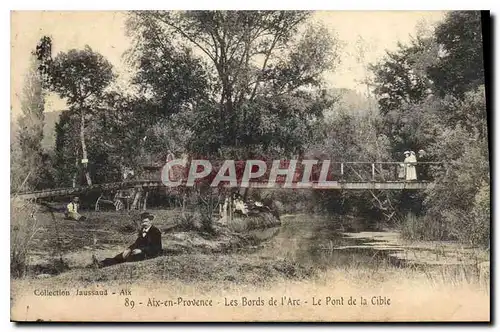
x: 144, y: 207
x: 136, y: 198
x: 230, y: 209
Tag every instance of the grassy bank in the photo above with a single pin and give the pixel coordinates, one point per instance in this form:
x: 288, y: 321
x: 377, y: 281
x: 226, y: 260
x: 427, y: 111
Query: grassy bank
x: 412, y: 295
x: 302, y: 259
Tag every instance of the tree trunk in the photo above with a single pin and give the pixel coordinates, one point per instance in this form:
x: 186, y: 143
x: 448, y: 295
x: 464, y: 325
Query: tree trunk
x: 84, y: 148
x: 76, y: 172
x: 246, y: 192
x: 144, y: 207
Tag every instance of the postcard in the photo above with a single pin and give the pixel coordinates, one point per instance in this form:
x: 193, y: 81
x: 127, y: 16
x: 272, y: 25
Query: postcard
x: 250, y: 166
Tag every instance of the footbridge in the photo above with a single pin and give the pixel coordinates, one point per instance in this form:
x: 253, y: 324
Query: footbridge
x: 342, y: 176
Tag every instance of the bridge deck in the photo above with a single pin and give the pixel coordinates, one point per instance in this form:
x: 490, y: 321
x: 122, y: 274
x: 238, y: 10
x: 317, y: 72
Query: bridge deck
x: 333, y: 185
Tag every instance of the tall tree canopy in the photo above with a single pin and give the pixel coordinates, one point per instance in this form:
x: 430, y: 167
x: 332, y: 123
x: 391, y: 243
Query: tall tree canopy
x: 30, y: 160
x: 460, y: 67
x: 401, y: 78
x: 232, y: 70
x: 411, y: 82
x: 80, y: 77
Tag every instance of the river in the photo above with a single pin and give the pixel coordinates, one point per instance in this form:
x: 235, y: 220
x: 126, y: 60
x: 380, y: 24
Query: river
x: 321, y: 241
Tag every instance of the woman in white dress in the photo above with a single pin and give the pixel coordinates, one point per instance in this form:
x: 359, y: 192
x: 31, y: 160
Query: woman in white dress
x: 411, y: 171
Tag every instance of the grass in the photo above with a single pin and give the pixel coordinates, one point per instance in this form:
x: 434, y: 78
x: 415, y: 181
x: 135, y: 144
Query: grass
x: 285, y: 266
x: 60, y: 242
x: 413, y: 296
x: 24, y: 228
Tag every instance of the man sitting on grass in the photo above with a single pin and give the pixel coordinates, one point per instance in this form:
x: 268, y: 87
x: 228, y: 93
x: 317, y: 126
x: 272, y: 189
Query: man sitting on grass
x: 147, y: 245
x: 72, y: 210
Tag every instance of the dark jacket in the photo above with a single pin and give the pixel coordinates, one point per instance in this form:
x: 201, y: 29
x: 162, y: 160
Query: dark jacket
x: 150, y: 244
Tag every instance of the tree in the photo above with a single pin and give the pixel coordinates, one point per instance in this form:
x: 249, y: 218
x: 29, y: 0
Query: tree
x: 80, y: 77
x: 351, y: 136
x: 67, y: 149
x: 444, y: 113
x: 460, y: 67
x: 170, y: 79
x: 416, y: 83
x: 411, y: 111
x: 29, y: 165
x: 462, y: 188
x: 401, y: 78
x: 235, y: 69
x: 126, y: 129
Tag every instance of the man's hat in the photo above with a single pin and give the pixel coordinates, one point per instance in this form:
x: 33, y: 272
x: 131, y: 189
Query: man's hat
x: 147, y: 215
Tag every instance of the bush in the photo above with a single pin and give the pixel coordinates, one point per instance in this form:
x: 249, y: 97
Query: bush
x: 459, y: 198
x: 286, y: 200
x: 202, y: 205
x: 262, y: 220
x: 479, y: 231
x: 23, y: 229
x: 414, y: 227
x: 186, y: 221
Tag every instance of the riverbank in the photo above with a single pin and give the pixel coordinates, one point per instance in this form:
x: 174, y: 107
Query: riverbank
x: 58, y: 245
x: 308, y: 256
x: 304, y: 243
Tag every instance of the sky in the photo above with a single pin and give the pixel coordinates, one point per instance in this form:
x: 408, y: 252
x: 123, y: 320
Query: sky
x: 104, y: 32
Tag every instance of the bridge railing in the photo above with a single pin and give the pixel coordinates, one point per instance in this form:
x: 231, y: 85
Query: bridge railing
x: 353, y: 171
x: 382, y: 171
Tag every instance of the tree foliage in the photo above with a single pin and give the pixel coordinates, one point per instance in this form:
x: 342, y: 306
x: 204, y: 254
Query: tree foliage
x: 402, y: 77
x: 248, y: 84
x: 462, y: 187
x: 80, y: 77
x: 460, y: 67
x: 28, y: 165
x: 241, y: 72
x: 67, y: 150
x: 443, y: 112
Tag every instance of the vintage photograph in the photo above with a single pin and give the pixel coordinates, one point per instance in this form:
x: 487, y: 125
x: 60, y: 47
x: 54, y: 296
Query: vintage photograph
x: 250, y: 166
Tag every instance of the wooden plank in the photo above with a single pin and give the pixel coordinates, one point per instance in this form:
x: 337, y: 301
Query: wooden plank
x: 384, y: 185
x: 388, y: 185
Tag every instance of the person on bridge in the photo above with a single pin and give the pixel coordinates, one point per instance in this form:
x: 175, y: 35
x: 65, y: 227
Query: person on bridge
x: 147, y: 245
x: 423, y: 169
x: 72, y: 210
x: 410, y: 170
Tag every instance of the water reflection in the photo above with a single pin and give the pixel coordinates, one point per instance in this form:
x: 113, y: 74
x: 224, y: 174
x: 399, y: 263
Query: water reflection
x: 323, y: 242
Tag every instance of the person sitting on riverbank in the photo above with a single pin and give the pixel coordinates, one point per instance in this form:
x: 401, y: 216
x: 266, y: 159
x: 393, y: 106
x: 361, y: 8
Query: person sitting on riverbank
x: 239, y: 205
x: 72, y: 210
x: 147, y: 245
